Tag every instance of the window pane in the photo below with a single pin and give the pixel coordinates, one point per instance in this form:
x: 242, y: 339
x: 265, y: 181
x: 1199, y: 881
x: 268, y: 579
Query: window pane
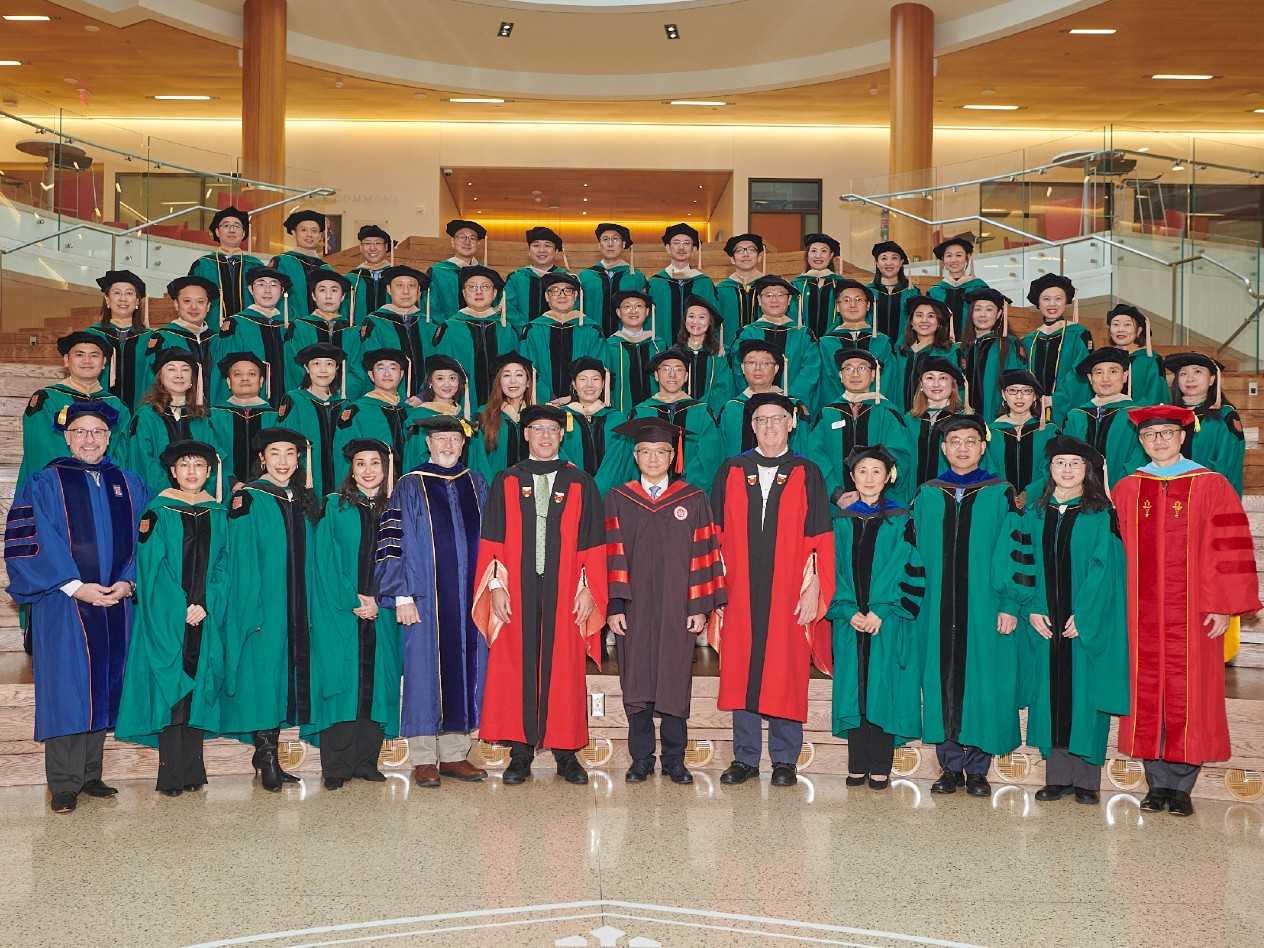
x: 768, y: 194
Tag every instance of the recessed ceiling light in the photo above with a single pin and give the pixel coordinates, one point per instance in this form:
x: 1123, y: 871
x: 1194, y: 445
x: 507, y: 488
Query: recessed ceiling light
x: 476, y: 100
x: 1259, y: 111
x: 672, y: 31
x: 10, y: 62
x: 505, y: 29
x: 1180, y: 75
x: 1144, y: 148
x: 182, y: 98
x: 992, y: 108
x: 91, y: 28
x: 1093, y: 32
x: 704, y: 103
x: 26, y: 17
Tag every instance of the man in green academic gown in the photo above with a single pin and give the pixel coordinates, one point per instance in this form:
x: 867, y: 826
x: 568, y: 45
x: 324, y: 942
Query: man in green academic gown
x: 366, y: 290
x: 557, y: 337
x: 962, y: 523
x: 380, y: 414
x: 736, y: 295
x: 445, y: 283
x: 236, y: 421
x: 259, y: 328
x: 801, y: 359
x: 478, y: 333
x: 628, y: 351
x: 226, y: 268
x: 189, y: 330
x: 524, y: 288
x: 610, y: 276
x: 861, y: 417
x: 852, y: 330
x: 82, y: 355
x: 328, y: 292
x: 400, y: 324
x: 759, y: 362
x: 676, y: 282
x: 1102, y: 421
x: 308, y: 231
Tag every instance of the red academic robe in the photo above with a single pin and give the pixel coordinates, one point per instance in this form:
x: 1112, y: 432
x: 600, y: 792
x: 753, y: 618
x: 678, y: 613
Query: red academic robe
x: 536, y: 691
x: 1189, y: 553
x: 765, y: 655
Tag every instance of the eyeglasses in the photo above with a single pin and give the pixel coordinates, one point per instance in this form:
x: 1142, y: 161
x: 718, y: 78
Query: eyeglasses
x: 563, y: 290
x: 659, y: 453
x: 480, y: 287
x: 88, y: 432
x: 1020, y: 390
x: 774, y: 295
x: 962, y: 442
x: 1151, y: 435
x: 855, y: 300
x: 545, y: 429
x: 763, y: 421
x: 758, y: 364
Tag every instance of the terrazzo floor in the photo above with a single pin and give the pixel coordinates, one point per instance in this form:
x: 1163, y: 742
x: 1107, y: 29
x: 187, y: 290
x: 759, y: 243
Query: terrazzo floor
x: 618, y: 865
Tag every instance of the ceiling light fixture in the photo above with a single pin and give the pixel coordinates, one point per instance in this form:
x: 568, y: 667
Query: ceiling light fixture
x: 505, y: 29
x: 672, y: 31
x: 10, y: 62
x: 1143, y: 149
x: 27, y: 18
x: 1177, y: 166
x: 992, y: 108
x: 476, y: 100
x: 182, y: 98
x: 1192, y: 76
x: 1258, y: 111
x: 1093, y: 32
x: 700, y: 103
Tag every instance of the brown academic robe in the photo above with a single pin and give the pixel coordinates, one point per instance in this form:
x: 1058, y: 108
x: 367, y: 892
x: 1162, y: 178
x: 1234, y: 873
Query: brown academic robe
x: 663, y: 566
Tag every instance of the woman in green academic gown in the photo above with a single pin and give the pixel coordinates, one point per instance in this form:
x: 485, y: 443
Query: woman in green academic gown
x: 267, y: 632
x: 357, y: 660
x: 987, y: 349
x: 1129, y: 330
x: 701, y: 338
x: 446, y: 392
x: 123, y: 327
x: 936, y: 399
x: 175, y: 657
x: 1057, y: 346
x: 590, y: 420
x: 325, y: 323
x: 1073, y: 640
x: 314, y: 407
x: 499, y: 443
x: 818, y: 284
x: 173, y: 409
x: 877, y: 598
x: 1217, y: 441
x: 928, y: 335
x: 891, y: 290
x: 1017, y: 449
x: 956, y: 255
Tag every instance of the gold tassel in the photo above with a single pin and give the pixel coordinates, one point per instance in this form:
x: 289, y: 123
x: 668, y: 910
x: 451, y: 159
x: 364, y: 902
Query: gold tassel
x: 652, y: 332
x: 632, y: 258
x: 427, y: 305
x: 201, y: 389
x: 535, y: 381
x: 285, y: 310
x: 966, y: 386
x: 608, y: 385
x: 1217, y: 403
x: 408, y: 388
x: 145, y: 312
x: 570, y: 422
x: 877, y: 379
x: 581, y: 306
x: 392, y: 253
x: 1004, y: 319
x: 219, y: 479
x: 1149, y: 347
x: 390, y: 472
x: 309, y: 465
x: 466, y: 388
x: 700, y: 255
x: 222, y: 314
x: 267, y: 379
x: 1075, y: 310
x: 343, y: 373
x: 504, y: 320
x: 952, y: 327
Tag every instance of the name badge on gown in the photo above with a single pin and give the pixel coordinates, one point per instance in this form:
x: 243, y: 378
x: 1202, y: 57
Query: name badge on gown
x: 841, y: 423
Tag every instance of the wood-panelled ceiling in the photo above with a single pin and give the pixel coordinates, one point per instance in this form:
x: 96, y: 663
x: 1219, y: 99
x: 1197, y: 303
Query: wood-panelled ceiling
x: 1060, y: 81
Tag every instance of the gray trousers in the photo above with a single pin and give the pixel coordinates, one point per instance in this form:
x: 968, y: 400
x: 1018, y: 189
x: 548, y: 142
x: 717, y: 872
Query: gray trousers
x: 1165, y: 775
x: 785, y: 738
x: 1064, y: 769
x: 446, y: 748
x: 72, y: 760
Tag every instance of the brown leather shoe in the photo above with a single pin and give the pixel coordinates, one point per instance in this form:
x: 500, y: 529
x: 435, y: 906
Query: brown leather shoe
x: 462, y: 770
x: 426, y: 775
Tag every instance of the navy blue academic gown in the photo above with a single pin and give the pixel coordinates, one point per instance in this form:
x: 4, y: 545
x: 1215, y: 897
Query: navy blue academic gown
x: 427, y: 549
x: 70, y: 521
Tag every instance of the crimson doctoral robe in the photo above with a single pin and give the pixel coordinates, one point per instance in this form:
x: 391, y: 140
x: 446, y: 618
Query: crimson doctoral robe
x: 536, y: 691
x: 1189, y: 552
x: 764, y: 653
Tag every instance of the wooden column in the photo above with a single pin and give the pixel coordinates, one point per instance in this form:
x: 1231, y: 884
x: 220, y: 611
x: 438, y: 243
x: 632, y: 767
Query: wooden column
x: 912, y: 117
x: 263, y: 115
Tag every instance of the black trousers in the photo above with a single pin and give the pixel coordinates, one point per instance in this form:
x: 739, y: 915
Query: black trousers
x: 958, y: 757
x: 180, y: 761
x: 526, y: 752
x: 870, y: 749
x: 71, y: 760
x: 349, y: 746
x: 672, y: 730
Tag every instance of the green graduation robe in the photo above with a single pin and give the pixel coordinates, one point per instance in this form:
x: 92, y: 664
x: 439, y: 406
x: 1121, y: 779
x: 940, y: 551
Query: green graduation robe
x: 900, y: 384
x: 840, y: 338
x: 701, y: 443
x: 1018, y: 455
x: 357, y: 663
x: 669, y: 293
x: 710, y: 377
x: 1148, y: 378
x: 927, y: 440
x: 149, y: 434
x: 308, y: 331
x: 1052, y: 358
x: 297, y: 266
x: 410, y: 333
x: 600, y: 283
x: 233, y: 431
x: 1218, y: 444
x: 252, y: 331
x: 476, y: 342
x: 126, y: 358
x: 41, y: 444
x: 175, y: 335
x: 1073, y: 565
x: 181, y: 560
x: 524, y: 295
x: 801, y: 377
x: 228, y: 272
x: 370, y: 417
x: 551, y: 346
x: 843, y: 426
x: 970, y: 677
x: 316, y: 419
x: 738, y: 304
x: 510, y: 448
x: 981, y: 365
x: 628, y: 365
x: 1108, y: 429
x: 367, y: 295
x: 815, y: 306
x: 879, y: 571
x: 953, y: 295
x: 586, y: 437
x: 890, y: 310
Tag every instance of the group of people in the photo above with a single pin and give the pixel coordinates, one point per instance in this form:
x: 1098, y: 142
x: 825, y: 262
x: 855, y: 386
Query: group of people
x: 472, y: 484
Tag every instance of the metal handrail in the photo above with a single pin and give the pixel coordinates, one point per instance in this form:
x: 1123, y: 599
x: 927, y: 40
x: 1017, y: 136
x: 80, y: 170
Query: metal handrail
x: 116, y: 234
x: 1071, y: 159
x: 130, y: 155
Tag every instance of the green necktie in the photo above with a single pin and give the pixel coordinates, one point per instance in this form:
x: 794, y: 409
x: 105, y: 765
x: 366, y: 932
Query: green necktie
x: 541, y: 519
